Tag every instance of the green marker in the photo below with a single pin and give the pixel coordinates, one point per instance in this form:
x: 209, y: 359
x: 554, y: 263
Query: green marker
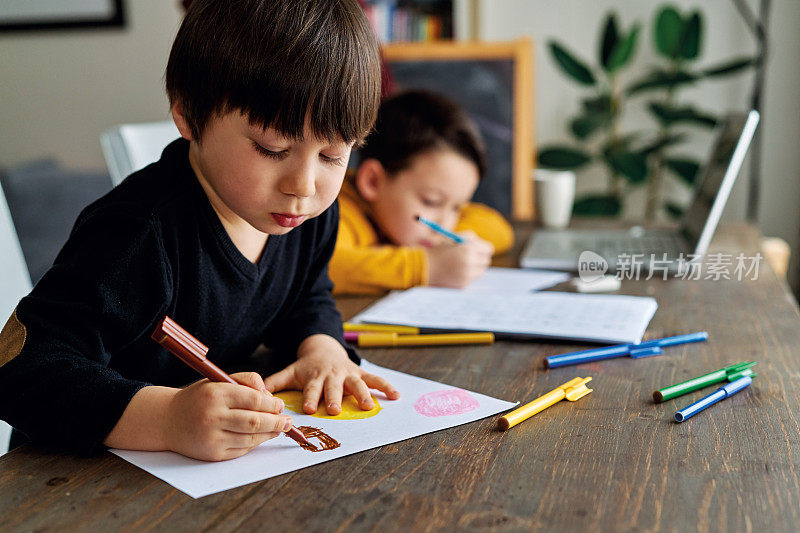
x: 729, y: 373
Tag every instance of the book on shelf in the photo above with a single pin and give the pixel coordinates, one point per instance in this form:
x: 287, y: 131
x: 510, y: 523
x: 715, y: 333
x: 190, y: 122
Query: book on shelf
x: 410, y: 21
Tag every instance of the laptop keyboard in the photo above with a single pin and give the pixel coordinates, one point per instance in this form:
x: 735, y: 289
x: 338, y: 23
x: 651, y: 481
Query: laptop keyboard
x: 614, y: 247
x: 646, y: 246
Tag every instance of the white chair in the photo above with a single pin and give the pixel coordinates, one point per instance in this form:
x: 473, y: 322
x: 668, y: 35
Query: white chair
x: 15, y: 282
x: 131, y: 147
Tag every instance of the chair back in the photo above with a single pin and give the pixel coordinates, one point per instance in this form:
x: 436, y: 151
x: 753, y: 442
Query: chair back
x: 15, y: 282
x: 131, y: 147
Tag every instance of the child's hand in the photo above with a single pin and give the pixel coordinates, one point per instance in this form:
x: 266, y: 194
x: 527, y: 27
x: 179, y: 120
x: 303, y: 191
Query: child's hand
x: 322, y: 367
x: 458, y: 265
x: 219, y: 421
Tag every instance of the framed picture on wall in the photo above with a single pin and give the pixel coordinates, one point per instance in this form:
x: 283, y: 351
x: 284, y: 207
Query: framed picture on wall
x: 27, y: 15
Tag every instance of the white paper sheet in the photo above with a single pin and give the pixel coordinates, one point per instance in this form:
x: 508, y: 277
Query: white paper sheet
x: 424, y: 407
x: 560, y: 315
x: 517, y: 280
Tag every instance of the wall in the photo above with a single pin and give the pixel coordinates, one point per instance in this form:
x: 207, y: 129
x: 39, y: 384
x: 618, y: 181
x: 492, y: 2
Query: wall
x: 60, y: 90
x: 577, y: 23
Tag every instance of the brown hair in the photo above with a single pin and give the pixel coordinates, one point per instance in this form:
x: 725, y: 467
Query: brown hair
x: 415, y: 122
x: 278, y: 61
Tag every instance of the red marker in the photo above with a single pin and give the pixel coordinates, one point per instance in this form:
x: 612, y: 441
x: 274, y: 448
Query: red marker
x: 193, y: 352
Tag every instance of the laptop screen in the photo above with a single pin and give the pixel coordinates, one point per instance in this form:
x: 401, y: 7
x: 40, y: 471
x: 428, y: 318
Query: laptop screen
x: 718, y: 178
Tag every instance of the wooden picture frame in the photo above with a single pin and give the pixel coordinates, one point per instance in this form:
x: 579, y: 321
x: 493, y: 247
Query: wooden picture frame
x: 31, y: 15
x: 514, y: 57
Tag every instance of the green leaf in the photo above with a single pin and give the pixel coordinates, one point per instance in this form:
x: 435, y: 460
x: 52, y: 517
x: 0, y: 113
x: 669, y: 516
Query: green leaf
x: 632, y: 165
x: 583, y: 126
x: 661, y: 80
x: 609, y: 41
x: 668, y: 116
x: 691, y: 37
x: 562, y: 158
x: 572, y: 66
x: 663, y: 142
x: 622, y: 143
x: 597, y: 205
x: 685, y: 168
x: 598, y: 104
x: 669, y: 27
x: 730, y: 67
x: 623, y: 51
x: 673, y: 210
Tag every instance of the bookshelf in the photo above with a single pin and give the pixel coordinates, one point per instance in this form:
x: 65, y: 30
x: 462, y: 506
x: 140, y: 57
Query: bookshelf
x: 420, y: 20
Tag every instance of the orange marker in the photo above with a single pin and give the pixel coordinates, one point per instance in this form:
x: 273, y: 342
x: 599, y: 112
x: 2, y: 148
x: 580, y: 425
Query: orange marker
x: 393, y: 339
x: 381, y: 328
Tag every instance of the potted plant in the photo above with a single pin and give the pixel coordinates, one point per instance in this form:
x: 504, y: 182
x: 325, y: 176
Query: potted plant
x: 639, y: 158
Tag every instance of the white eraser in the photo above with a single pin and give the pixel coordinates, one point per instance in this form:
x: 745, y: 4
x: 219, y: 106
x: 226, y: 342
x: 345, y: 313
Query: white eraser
x: 602, y: 284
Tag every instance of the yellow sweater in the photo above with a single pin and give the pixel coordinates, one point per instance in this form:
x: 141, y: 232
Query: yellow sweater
x: 361, y: 264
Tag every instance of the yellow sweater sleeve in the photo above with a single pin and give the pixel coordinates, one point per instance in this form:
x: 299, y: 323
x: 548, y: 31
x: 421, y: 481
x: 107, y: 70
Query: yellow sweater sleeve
x: 488, y: 224
x: 377, y: 269
x: 360, y: 265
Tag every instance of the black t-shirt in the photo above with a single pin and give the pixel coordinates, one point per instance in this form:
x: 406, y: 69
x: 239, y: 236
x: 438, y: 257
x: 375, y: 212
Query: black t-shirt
x: 151, y: 247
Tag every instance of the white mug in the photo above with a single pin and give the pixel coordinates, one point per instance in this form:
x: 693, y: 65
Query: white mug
x: 554, y: 191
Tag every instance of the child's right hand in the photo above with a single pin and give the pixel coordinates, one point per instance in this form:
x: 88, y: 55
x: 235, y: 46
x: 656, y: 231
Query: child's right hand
x: 220, y: 421
x: 457, y: 265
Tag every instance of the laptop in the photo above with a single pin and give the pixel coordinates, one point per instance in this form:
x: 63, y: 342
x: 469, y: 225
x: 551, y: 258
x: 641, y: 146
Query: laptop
x: 560, y: 249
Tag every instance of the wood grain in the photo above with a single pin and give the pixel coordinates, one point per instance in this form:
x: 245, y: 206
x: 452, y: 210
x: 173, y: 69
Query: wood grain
x: 612, y: 461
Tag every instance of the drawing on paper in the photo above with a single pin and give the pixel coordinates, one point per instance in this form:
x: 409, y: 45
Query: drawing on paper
x: 326, y: 442
x: 445, y: 403
x: 293, y: 400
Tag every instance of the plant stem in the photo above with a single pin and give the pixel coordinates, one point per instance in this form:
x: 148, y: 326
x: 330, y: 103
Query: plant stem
x: 654, y: 185
x: 615, y: 185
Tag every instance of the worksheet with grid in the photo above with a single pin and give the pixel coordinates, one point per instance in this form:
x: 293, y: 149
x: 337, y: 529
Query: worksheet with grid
x: 559, y: 315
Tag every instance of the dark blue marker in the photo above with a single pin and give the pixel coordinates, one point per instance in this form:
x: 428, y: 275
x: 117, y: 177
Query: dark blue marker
x: 723, y: 392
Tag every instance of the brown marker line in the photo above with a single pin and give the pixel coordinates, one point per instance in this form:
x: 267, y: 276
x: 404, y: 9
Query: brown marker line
x: 326, y: 441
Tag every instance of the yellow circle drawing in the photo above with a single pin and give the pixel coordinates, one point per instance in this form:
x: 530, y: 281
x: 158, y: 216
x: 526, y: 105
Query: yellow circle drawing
x: 293, y: 400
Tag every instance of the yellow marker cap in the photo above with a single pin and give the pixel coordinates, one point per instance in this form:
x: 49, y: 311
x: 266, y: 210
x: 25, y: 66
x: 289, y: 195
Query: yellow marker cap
x: 572, y: 390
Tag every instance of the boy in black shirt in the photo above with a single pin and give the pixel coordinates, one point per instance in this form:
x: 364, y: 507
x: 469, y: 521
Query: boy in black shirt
x: 229, y: 233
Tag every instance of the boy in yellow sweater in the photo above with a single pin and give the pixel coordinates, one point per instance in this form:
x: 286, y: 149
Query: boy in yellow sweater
x: 424, y: 158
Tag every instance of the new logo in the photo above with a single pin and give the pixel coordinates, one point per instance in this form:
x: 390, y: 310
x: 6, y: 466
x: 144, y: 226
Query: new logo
x: 591, y: 266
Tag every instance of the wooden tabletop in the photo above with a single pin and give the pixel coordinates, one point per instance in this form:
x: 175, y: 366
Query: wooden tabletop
x: 612, y: 461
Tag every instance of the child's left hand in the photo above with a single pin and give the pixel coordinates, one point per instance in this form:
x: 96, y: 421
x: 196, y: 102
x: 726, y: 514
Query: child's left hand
x: 323, y: 367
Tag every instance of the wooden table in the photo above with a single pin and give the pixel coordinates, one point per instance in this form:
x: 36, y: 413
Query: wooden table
x: 612, y: 461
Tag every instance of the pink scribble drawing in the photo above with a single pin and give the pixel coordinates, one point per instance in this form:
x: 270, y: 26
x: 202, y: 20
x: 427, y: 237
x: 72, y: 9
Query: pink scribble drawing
x: 445, y: 403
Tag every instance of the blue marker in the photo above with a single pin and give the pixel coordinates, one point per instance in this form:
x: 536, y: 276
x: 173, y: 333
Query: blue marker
x: 723, y: 392
x: 635, y: 351
x: 437, y: 228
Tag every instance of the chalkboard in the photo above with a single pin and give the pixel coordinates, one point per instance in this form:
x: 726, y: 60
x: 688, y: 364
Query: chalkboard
x: 492, y: 82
